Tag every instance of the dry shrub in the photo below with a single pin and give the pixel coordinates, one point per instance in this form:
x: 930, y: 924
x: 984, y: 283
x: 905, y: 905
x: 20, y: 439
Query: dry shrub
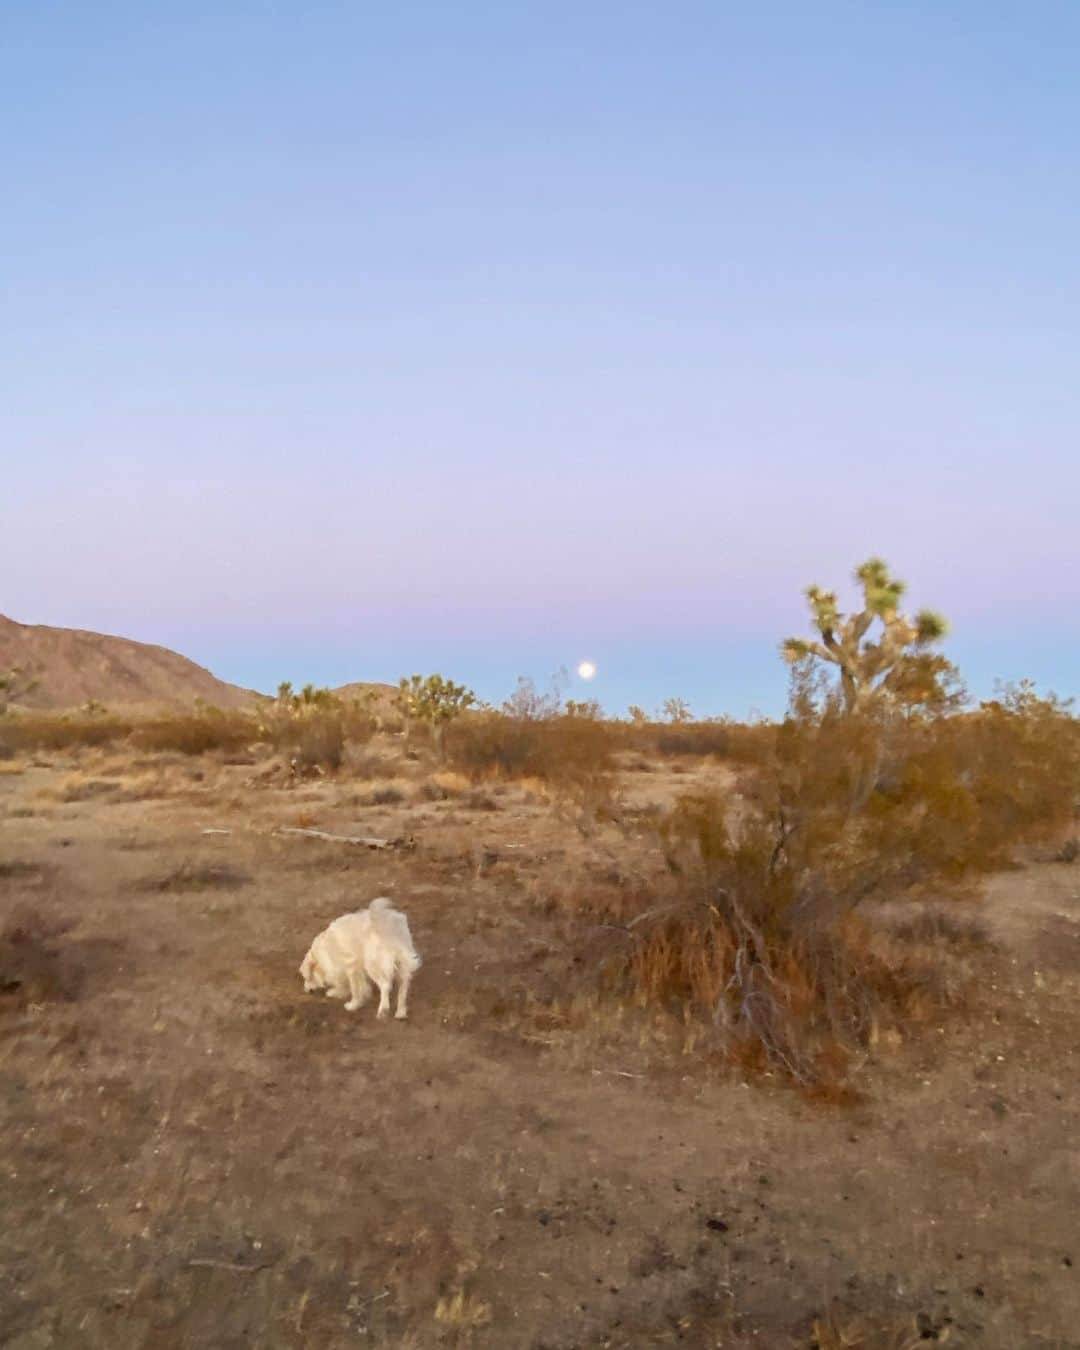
x: 189, y: 733
x: 1019, y: 756
x: 320, y: 742
x: 386, y: 796
x: 941, y: 927
x: 74, y: 788
x: 764, y: 942
x: 745, y: 743
x: 53, y: 731
x: 195, y: 733
x: 368, y: 764
x: 573, y: 757
x: 314, y: 728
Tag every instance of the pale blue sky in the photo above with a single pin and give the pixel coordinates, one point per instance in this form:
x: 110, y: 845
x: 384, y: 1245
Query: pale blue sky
x: 343, y: 340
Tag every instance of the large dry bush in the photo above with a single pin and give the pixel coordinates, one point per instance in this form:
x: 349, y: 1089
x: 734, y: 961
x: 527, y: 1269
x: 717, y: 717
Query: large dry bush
x: 741, y: 743
x: 195, y: 733
x: 1019, y: 756
x: 571, y: 754
x: 313, y: 728
x: 60, y: 731
x: 192, y: 733
x: 763, y: 938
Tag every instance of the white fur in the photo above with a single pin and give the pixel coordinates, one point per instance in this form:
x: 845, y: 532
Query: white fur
x: 373, y: 945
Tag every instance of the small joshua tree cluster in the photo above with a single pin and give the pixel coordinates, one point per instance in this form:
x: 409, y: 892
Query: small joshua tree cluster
x: 15, y: 684
x: 433, y: 701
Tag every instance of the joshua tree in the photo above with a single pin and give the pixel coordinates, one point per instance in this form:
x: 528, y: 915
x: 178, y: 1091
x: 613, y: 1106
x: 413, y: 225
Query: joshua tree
x: 898, y: 664
x: 638, y: 716
x: 677, y: 710
x: 13, y: 685
x: 588, y: 707
x: 433, y: 700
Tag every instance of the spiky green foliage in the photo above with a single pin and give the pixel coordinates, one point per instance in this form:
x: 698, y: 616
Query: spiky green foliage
x: 434, y: 701
x: 14, y: 685
x: 892, y: 661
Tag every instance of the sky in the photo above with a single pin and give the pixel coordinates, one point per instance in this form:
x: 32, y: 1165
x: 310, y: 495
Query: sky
x: 340, y: 340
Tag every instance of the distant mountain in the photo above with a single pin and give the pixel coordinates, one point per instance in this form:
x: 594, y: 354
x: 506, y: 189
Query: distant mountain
x: 384, y: 693
x: 71, y: 667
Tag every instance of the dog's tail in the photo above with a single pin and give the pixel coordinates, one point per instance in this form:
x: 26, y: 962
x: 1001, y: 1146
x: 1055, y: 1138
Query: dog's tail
x: 392, y: 926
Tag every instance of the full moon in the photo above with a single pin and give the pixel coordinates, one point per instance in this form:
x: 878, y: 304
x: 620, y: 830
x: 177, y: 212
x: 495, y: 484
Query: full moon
x: 586, y: 670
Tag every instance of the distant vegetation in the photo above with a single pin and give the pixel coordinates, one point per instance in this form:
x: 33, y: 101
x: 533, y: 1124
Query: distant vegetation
x: 877, y: 784
x: 880, y: 782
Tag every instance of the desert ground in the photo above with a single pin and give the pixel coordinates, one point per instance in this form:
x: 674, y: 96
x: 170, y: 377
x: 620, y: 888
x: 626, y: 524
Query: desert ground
x: 197, y: 1154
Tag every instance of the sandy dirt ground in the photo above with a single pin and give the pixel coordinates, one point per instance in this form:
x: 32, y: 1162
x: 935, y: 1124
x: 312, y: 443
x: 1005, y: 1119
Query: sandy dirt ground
x: 195, y: 1153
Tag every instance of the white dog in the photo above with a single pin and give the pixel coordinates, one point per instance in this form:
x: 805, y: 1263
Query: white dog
x: 372, y: 945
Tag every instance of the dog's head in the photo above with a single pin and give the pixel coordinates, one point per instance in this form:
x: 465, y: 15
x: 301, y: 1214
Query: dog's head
x: 311, y: 972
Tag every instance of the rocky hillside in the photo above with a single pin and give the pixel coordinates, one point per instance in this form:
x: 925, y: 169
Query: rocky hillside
x: 70, y: 667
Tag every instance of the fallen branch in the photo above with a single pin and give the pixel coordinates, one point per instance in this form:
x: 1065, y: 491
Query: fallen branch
x: 619, y: 1073
x: 228, y: 1265
x: 365, y: 840
x: 217, y: 831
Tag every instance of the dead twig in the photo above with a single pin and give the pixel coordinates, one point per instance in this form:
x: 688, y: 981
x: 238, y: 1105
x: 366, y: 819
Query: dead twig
x: 366, y: 841
x: 212, y: 1264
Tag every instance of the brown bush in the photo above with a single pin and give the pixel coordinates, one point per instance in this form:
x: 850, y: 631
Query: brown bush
x: 551, y: 749
x: 368, y: 764
x: 314, y: 729
x: 195, y: 733
x: 762, y: 939
x: 573, y: 756
x: 53, y: 731
x: 745, y: 743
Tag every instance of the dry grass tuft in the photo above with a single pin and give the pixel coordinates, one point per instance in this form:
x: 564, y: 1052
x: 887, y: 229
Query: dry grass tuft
x: 76, y: 788
x: 944, y: 928
x: 462, y: 1310
x: 838, y: 1331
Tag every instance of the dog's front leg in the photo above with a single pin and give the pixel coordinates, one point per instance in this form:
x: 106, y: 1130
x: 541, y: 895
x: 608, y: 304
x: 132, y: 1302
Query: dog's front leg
x: 359, y: 988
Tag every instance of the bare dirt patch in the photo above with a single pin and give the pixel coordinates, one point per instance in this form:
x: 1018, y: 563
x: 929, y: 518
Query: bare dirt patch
x: 197, y: 1154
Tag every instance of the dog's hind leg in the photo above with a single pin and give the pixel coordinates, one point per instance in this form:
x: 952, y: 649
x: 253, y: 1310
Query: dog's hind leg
x: 404, y: 980
x: 384, y: 982
x: 359, y: 988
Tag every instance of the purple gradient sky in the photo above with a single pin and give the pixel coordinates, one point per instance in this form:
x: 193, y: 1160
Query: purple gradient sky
x: 343, y: 340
